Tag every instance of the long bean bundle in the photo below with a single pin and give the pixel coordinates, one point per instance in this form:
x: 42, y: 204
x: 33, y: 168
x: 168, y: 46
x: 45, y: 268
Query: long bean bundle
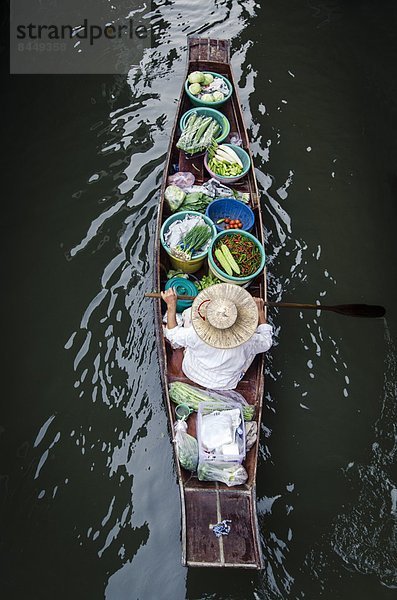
x: 183, y: 393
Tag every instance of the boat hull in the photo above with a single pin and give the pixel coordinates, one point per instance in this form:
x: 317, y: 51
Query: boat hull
x: 203, y: 504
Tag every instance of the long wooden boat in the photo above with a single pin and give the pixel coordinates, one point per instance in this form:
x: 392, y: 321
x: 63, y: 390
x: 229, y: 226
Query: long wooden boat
x: 204, y: 504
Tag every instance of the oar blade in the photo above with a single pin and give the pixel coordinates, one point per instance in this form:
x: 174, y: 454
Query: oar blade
x: 371, y: 311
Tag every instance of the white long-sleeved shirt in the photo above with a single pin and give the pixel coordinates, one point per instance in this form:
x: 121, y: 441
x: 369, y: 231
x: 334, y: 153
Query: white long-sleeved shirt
x: 215, y: 368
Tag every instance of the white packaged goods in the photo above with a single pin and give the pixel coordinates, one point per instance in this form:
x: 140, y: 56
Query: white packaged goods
x: 220, y: 431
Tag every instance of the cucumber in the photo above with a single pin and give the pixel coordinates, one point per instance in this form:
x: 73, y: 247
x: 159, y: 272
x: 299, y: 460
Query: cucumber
x: 229, y: 257
x: 223, y: 262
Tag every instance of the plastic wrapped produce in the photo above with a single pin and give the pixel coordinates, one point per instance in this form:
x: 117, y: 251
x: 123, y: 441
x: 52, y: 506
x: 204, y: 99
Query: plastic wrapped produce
x: 225, y: 472
x: 174, y: 195
x: 187, y: 447
x: 192, y: 396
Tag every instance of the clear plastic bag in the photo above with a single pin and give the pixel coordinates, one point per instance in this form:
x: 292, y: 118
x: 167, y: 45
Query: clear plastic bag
x: 232, y: 397
x: 215, y: 189
x: 181, y: 179
x: 228, y: 473
x: 187, y: 447
x: 235, y: 138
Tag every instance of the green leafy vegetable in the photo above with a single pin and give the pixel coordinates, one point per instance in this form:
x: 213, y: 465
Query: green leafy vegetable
x: 196, y: 201
x: 208, y: 78
x: 194, y: 88
x: 206, y: 281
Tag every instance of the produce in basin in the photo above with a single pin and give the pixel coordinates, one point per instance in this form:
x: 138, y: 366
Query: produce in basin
x: 198, y: 134
x: 218, y: 96
x: 223, y: 160
x: 207, y: 87
x: 192, y: 242
x: 244, y: 252
x: 208, y: 78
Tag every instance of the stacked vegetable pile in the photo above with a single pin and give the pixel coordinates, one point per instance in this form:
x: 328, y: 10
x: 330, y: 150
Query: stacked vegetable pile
x: 237, y: 255
x: 177, y: 199
x: 198, y: 134
x: 207, y: 87
x: 224, y: 161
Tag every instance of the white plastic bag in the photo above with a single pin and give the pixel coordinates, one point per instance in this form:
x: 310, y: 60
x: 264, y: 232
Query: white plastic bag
x: 219, y: 428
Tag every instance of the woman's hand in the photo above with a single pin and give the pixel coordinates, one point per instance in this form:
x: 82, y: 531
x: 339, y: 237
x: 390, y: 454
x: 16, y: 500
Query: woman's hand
x: 169, y: 297
x: 261, y: 310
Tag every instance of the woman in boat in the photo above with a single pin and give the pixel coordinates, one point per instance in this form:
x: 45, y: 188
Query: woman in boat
x: 225, y: 330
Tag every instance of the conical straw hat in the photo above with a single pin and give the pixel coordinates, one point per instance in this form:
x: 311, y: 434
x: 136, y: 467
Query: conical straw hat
x: 224, y: 315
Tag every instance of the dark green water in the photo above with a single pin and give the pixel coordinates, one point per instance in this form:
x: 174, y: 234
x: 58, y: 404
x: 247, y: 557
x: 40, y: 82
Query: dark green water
x: 89, y: 500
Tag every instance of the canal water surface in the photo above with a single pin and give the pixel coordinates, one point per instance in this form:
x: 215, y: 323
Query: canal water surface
x: 89, y: 499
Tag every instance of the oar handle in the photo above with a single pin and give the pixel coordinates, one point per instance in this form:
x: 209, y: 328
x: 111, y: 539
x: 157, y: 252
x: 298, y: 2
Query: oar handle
x: 349, y: 310
x: 158, y: 295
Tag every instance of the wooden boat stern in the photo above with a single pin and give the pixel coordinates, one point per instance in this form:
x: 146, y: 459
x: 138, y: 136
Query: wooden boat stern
x: 203, y: 508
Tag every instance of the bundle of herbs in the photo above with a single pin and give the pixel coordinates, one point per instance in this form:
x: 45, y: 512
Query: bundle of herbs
x: 192, y: 242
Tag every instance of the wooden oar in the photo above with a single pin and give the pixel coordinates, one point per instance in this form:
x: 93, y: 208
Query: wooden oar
x: 371, y: 311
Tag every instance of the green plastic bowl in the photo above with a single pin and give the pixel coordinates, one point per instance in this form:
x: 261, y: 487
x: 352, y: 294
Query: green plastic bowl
x: 197, y: 102
x: 243, y: 156
x: 222, y: 275
x: 208, y: 112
